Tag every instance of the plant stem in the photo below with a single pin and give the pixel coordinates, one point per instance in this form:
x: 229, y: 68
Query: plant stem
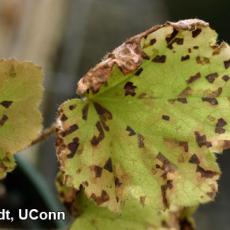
x: 44, y: 134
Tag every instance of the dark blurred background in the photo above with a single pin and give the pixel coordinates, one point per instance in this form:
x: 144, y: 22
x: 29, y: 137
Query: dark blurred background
x: 67, y: 37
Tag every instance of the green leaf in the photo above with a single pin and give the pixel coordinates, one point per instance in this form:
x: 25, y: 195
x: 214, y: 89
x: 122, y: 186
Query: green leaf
x: 141, y: 141
x: 20, y: 120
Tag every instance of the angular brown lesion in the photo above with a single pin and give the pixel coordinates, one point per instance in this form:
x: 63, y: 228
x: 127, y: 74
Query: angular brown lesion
x: 97, y: 139
x: 177, y: 143
x: 206, y: 173
x: 165, y: 117
x: 69, y: 130
x: 182, y: 100
x: 167, y: 186
x: 211, y: 77
x: 210, y: 100
x: 140, y: 141
x: 72, y: 107
x: 185, y: 58
x: 201, y: 140
x: 202, y: 60
x: 108, y: 165
x: 85, y: 111
x: 227, y: 64
x: 73, y: 147
x: 220, y: 126
x: 159, y: 59
x: 6, y: 104
x: 130, y: 88
x: 226, y: 77
x: 3, y: 119
x: 196, y: 32
x: 142, y: 200
x: 163, y: 164
x: 104, y: 197
x: 131, y: 131
x: 97, y: 170
x: 194, y: 159
x: 194, y: 78
x: 138, y: 72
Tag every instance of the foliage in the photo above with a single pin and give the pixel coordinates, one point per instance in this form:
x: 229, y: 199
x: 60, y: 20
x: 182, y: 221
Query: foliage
x: 20, y: 121
x: 138, y: 149
x: 139, y: 145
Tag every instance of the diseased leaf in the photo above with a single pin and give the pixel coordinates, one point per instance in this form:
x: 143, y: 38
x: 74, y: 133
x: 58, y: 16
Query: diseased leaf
x: 95, y: 217
x: 141, y: 142
x: 20, y: 120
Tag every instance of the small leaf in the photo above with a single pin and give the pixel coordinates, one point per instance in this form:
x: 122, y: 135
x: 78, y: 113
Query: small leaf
x: 20, y: 120
x: 142, y: 140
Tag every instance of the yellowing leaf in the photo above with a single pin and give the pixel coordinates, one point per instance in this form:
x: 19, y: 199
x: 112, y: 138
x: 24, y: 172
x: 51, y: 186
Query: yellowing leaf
x: 141, y: 141
x: 20, y: 96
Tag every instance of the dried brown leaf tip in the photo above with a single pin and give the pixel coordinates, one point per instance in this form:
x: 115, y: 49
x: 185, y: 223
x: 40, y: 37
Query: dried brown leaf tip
x: 129, y: 56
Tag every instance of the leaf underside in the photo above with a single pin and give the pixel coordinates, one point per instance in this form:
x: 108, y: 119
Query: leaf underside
x: 142, y: 141
x: 20, y: 120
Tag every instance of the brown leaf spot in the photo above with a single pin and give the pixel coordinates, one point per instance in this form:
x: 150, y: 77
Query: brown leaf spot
x: 152, y: 41
x: 194, y: 159
x: 85, y: 112
x: 140, y: 141
x: 196, y: 32
x: 202, y: 60
x: 70, y: 130
x: 108, y: 165
x: 102, y: 112
x: 165, y: 117
x: 178, y: 41
x: 202, y: 140
x: 211, y: 77
x: 72, y: 107
x: 159, y: 59
x: 3, y: 119
x: 142, y: 200
x: 73, y: 146
x: 183, y: 100
x: 171, y: 36
x: 63, y: 117
x: 117, y: 182
x: 184, y: 144
x: 211, y: 100
x: 193, y: 78
x: 6, y: 104
x: 97, y: 170
x: 138, y: 72
x: 130, y: 89
x: 100, y: 199
x: 227, y: 64
x: 206, y: 173
x: 216, y: 93
x: 184, y: 58
x: 186, y: 92
x: 165, y: 165
x: 131, y: 131
x: 164, y: 189
x: 226, y: 78
x: 104, y: 115
x: 97, y: 139
x: 220, y: 126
